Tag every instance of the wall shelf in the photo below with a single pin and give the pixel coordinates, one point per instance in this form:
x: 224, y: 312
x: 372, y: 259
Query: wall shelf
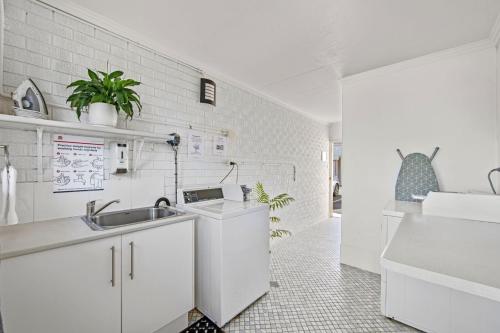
x: 24, y: 123
x: 54, y: 126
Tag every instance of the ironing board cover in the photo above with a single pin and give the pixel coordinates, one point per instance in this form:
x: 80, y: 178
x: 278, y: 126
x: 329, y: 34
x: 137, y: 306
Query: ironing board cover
x: 416, y: 176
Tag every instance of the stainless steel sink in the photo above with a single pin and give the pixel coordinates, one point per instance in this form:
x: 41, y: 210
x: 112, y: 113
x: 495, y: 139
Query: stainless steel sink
x: 127, y: 217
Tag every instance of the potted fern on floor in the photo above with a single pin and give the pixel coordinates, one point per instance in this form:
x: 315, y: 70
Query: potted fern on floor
x: 104, y: 96
x: 280, y: 201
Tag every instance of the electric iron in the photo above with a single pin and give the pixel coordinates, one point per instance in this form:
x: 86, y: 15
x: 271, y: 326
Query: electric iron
x: 28, y: 101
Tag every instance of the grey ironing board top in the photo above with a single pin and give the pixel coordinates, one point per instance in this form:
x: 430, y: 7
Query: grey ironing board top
x: 416, y: 177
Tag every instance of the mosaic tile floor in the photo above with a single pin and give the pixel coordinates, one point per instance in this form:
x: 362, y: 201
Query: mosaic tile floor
x: 314, y: 292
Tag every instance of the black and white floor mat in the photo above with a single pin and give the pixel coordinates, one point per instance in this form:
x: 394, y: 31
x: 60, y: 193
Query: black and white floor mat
x: 204, y: 325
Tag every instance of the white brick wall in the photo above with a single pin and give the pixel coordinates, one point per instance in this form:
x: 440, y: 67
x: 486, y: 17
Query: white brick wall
x: 265, y: 139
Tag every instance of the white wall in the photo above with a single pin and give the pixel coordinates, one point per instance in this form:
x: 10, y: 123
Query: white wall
x: 265, y: 138
x: 446, y: 100
x: 335, y: 130
x: 498, y: 108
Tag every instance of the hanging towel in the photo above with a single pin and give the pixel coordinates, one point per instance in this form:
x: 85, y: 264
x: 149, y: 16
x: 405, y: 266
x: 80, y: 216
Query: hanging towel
x: 5, y: 195
x: 9, y: 179
x: 11, y: 214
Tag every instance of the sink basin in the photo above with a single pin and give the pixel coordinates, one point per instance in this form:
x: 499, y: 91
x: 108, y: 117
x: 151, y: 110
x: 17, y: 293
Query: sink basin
x: 122, y: 218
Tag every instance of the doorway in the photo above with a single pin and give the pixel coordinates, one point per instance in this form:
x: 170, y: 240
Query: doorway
x: 335, y: 178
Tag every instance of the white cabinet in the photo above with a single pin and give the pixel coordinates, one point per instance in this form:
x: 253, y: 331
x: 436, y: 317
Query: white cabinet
x: 158, y: 276
x: 69, y: 289
x: 390, y: 225
x: 135, y: 283
x: 432, y: 307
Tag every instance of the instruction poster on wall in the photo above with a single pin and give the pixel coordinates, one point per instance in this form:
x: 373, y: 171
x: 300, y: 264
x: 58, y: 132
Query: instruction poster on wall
x: 220, y: 145
x: 78, y: 163
x: 196, y: 148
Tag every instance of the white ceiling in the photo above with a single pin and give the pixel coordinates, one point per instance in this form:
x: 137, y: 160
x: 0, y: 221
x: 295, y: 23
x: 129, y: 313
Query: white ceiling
x: 295, y: 50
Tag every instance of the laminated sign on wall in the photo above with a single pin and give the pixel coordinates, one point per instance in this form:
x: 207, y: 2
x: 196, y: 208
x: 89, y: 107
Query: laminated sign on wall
x: 196, y: 148
x: 220, y: 145
x: 78, y: 163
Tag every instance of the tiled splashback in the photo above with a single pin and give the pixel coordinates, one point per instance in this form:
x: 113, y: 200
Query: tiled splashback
x: 36, y: 202
x: 266, y: 139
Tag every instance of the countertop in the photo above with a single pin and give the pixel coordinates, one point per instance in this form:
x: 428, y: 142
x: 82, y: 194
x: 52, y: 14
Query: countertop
x: 21, y: 239
x: 457, y: 253
x: 400, y: 208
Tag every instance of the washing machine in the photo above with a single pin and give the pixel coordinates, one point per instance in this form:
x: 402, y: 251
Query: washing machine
x: 232, y: 251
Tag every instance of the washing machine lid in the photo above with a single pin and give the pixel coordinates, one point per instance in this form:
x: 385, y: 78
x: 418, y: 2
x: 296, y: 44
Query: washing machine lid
x: 224, y: 209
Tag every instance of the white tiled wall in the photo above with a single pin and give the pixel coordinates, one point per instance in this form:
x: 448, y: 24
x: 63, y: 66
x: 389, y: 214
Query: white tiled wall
x: 265, y: 139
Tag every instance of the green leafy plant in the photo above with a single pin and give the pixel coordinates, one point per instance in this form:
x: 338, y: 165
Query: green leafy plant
x: 107, y: 88
x: 280, y: 201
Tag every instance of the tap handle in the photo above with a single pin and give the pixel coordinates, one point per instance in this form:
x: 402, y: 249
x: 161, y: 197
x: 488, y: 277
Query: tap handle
x: 90, y: 208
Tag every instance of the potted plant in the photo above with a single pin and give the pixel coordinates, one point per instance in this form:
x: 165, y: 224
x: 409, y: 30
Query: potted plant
x: 278, y: 202
x: 104, y: 96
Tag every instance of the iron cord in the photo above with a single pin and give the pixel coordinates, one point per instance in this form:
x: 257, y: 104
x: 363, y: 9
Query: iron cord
x: 176, y: 149
x: 237, y: 173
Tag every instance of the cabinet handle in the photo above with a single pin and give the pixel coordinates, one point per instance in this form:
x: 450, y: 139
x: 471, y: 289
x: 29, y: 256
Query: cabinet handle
x: 112, y: 266
x: 131, y: 261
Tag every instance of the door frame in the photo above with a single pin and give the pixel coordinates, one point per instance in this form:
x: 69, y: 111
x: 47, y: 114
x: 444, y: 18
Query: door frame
x: 330, y: 178
x: 331, y: 167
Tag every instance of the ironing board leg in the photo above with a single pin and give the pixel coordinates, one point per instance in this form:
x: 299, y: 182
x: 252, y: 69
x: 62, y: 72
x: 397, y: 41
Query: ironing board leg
x: 434, y: 153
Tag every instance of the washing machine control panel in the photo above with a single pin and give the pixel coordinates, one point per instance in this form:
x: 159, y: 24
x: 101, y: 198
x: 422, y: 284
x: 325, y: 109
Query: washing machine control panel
x: 203, y: 195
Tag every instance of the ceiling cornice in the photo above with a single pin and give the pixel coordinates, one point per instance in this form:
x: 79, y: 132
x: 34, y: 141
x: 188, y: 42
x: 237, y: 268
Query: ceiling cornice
x: 104, y: 23
x: 419, y: 61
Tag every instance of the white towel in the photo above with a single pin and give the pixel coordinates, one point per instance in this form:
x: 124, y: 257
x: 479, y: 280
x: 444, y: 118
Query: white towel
x: 12, y: 215
x: 5, y: 195
x: 9, y: 178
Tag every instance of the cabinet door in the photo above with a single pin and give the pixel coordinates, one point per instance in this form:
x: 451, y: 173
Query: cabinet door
x: 158, y: 276
x: 68, y: 289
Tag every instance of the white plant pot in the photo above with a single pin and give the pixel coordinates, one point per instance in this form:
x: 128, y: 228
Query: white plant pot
x: 103, y: 114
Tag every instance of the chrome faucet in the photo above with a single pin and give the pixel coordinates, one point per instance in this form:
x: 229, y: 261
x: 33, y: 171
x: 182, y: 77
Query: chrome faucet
x: 91, y: 212
x: 489, y: 179
x: 162, y: 199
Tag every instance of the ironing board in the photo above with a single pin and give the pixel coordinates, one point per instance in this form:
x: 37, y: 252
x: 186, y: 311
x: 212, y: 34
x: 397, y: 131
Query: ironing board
x: 416, y: 176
